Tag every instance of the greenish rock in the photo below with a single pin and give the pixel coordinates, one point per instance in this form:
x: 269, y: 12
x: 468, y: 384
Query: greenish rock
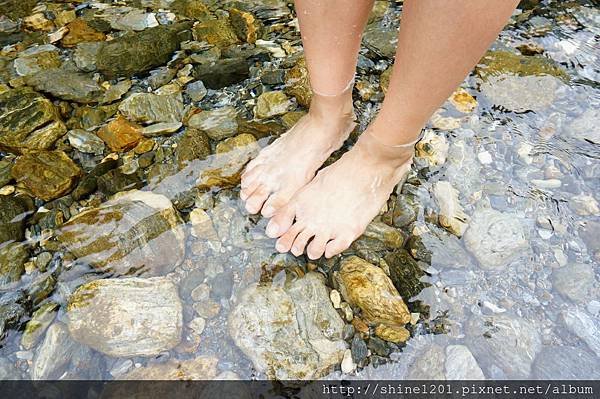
x: 85, y: 141
x: 133, y: 232
x: 152, y: 108
x: 5, y: 175
x: 223, y: 72
x: 194, y: 9
x: 13, y: 306
x: 405, y: 273
x: 42, y: 260
x: 15, y: 9
x: 85, y: 55
x: 127, y: 317
x: 66, y: 85
x: 298, y: 84
x: 379, y: 236
x: 39, y: 323
x: 501, y: 62
x: 47, y: 174
x: 194, y: 144
x: 12, y: 219
x: 28, y: 121
x: 216, y: 31
x: 218, y: 124
x: 270, y: 104
x: 90, y: 118
x: 196, y: 90
x: 89, y: 183
x: 261, y: 129
x: 115, y: 181
x: 36, y: 59
x: 290, y: 332
x: 139, y: 52
x: 13, y: 256
x: 381, y: 41
x: 575, y: 281
x: 40, y: 288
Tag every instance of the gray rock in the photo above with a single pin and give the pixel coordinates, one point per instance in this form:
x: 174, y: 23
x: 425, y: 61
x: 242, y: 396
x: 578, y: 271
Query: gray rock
x: 495, y: 238
x: 359, y: 349
x: 461, y: 365
x: 219, y: 123
x: 85, y: 141
x: 127, y: 317
x: 521, y: 93
x: 67, y: 85
x: 196, y: 90
x: 39, y: 323
x: 135, y: 20
x: 194, y: 144
x: 381, y: 41
x: 152, y: 108
x: 36, y: 59
x: 13, y: 306
x: 289, y: 333
x: 429, y: 365
x: 223, y: 72
x: 590, y: 234
x: 161, y: 129
x: 565, y: 363
x: 8, y: 371
x: 85, y: 55
x: 13, y: 256
x: 585, y: 126
x: 574, y: 281
x: 586, y: 327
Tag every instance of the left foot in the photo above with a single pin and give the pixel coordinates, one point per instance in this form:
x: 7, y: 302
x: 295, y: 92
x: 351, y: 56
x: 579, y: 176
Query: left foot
x: 335, y: 208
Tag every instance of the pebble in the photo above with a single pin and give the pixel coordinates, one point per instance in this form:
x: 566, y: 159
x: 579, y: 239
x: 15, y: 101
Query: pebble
x: 485, y: 158
x: 348, y: 366
x: 336, y: 298
x: 359, y: 349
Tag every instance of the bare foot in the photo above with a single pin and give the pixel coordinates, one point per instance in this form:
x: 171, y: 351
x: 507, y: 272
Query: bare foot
x: 337, y: 205
x: 290, y: 162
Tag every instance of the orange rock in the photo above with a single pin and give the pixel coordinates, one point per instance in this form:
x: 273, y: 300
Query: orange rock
x: 80, y: 31
x: 120, y: 134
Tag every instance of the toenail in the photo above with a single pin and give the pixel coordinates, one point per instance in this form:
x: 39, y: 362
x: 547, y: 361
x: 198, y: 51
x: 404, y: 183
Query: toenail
x: 272, y: 229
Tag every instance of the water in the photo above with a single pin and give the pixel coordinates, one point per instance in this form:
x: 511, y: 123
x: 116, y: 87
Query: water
x: 518, y: 291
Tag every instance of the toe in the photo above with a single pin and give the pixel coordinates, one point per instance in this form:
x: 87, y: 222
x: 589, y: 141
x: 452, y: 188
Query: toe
x: 257, y: 199
x: 275, y: 202
x: 301, y: 241
x: 250, y: 176
x: 316, y: 248
x: 247, y: 191
x: 285, y: 241
x: 337, y: 246
x: 281, y: 221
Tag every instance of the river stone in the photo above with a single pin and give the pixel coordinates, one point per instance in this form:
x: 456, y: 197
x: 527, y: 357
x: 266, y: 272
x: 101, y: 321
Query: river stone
x: 12, y: 220
x: 219, y: 123
x: 590, y: 234
x: 452, y: 216
x: 381, y: 41
x: 194, y: 145
x: 120, y: 134
x: 135, y: 20
x: 222, y: 72
x: 13, y: 306
x: 506, y: 344
x: 521, y: 93
x: 135, y: 231
x: 126, y: 317
x: 584, y: 326
x: 585, y: 126
x: 215, y: 31
x: 495, y: 238
x: 139, y: 52
x: 47, y: 174
x: 270, y: 104
x: 379, y: 236
x: 85, y: 141
x: 85, y: 56
x: 15, y: 9
x: 429, y: 365
x: 461, y: 365
x: 39, y: 323
x: 5, y: 175
x: 199, y: 368
x: 152, y: 108
x: 36, y: 59
x: 565, y: 363
x: 405, y: 273
x: 28, y: 121
x: 298, y: 84
x: 367, y: 287
x: 13, y: 256
x: 9, y: 372
x: 196, y: 90
x: 574, y: 281
x: 289, y: 333
x: 67, y: 85
x: 500, y: 62
x: 161, y: 129
x: 79, y: 32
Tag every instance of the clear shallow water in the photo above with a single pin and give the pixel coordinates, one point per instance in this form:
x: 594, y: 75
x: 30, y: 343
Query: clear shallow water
x: 518, y: 297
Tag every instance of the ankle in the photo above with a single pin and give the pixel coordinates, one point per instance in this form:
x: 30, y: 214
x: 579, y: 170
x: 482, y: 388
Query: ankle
x: 327, y: 108
x: 379, y: 152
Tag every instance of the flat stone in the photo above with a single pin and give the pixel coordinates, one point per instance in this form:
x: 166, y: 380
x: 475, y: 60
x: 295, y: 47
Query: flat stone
x: 120, y: 134
x: 136, y: 20
x: 28, y: 121
x: 245, y: 25
x: 291, y: 332
x: 574, y: 281
x: 36, y: 59
x: 116, y: 91
x: 223, y: 72
x: 161, y: 129
x: 47, y: 174
x: 381, y: 41
x: 152, y: 108
x: 126, y: 317
x: 16, y: 9
x: 495, y: 238
x: 590, y: 234
x: 452, y: 216
x: 521, y: 93
x: 66, y: 85
x: 501, y: 62
x: 85, y: 141
x: 79, y: 32
x: 85, y: 56
x: 219, y: 123
x: 39, y: 323
x: 584, y: 326
x: 135, y: 231
x: 196, y: 90
x: 216, y: 31
x: 270, y: 104
x: 461, y: 365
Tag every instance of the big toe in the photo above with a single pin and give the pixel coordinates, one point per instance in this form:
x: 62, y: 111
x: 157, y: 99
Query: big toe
x: 256, y: 200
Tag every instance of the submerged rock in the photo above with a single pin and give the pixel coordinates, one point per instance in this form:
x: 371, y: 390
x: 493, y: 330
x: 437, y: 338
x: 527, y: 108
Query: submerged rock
x: 79, y: 32
x: 199, y: 368
x: 216, y: 31
x: 451, y: 216
x: 495, y: 238
x: 13, y: 306
x: 135, y: 231
x: 36, y: 59
x: 461, y: 365
x: 85, y: 141
x: 289, y: 333
x: 67, y: 85
x: 298, y: 84
x: 565, y: 363
x: 575, y: 281
x: 405, y: 273
x: 47, y: 174
x: 590, y: 234
x: 12, y: 219
x: 194, y: 145
x: 152, y: 108
x: 126, y: 317
x: 433, y: 148
x: 28, y: 121
x: 584, y: 326
x: 219, y: 123
x: 120, y: 134
x: 36, y: 327
x: 381, y: 41
x: 13, y: 256
x: 521, y: 93
x: 500, y: 62
x: 271, y: 103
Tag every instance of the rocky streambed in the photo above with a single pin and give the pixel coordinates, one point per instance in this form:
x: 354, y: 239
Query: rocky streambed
x: 125, y: 252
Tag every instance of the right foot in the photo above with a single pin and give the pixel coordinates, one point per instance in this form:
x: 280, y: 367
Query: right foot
x: 291, y: 161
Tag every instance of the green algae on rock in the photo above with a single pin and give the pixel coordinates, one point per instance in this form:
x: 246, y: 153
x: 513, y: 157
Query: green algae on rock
x: 194, y: 145
x: 270, y: 104
x: 499, y: 62
x: 13, y: 256
x: 152, y: 108
x: 12, y: 219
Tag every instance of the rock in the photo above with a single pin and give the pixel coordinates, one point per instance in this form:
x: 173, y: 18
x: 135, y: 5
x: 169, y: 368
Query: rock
x: 79, y: 32
x: 36, y: 59
x: 115, y: 92
x: 585, y: 126
x: 396, y: 335
x: 590, y: 234
x: 12, y: 219
x: 196, y: 90
x: 495, y: 238
x: 461, y: 365
x: 291, y: 332
x: 378, y: 346
x: 245, y: 25
x: 85, y: 141
x: 367, y: 287
x: 433, y: 148
x: 584, y: 205
x: 405, y: 273
x: 451, y: 215
x: 13, y: 256
x: 202, y: 226
x: 135, y: 20
x: 55, y: 353
x: 135, y: 231
x: 194, y: 9
x: 270, y: 104
x: 38, y: 22
x: 574, y: 281
x: 219, y: 123
x: 223, y: 72
x: 501, y: 62
x: 359, y: 349
x: 161, y: 129
x: 521, y: 94
x: 5, y: 175
x: 347, y: 365
x: 584, y: 326
x: 381, y: 41
x: 120, y: 134
x: 85, y: 56
x: 215, y: 31
x: 9, y: 372
x: 379, y: 236
x: 115, y: 181
x: 429, y: 365
x: 298, y: 84
x: 66, y: 85
x: 506, y: 344
x: 47, y: 174
x: 28, y: 121
x: 463, y: 101
x: 13, y: 306
x: 194, y: 145
x: 39, y: 323
x: 15, y: 9
x: 126, y: 317
x: 565, y: 363
x: 152, y: 108
x: 199, y: 368
x: 139, y: 52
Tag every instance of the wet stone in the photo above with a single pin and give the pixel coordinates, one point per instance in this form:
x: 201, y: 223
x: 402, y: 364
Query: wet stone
x: 120, y: 134
x: 39, y: 323
x: 584, y: 326
x: 85, y: 141
x: 126, y: 317
x: 47, y: 174
x: 218, y: 124
x: 199, y: 368
x: 13, y: 306
x: 79, y: 32
x: 36, y: 59
x: 405, y: 273
x: 359, y: 349
x: 194, y: 145
x: 223, y: 72
x: 461, y: 365
x: 66, y: 85
x: 85, y: 56
x: 590, y: 234
x: 297, y: 83
x: 152, y: 108
x: 115, y: 181
x: 216, y: 31
x: 575, y: 281
x: 270, y: 104
x: 196, y: 90
x: 521, y: 93
x: 381, y: 41
x: 499, y: 62
x: 12, y: 219
x: 565, y: 363
x: 5, y: 175
x: 378, y: 346
x: 13, y: 256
